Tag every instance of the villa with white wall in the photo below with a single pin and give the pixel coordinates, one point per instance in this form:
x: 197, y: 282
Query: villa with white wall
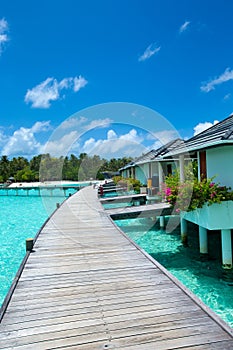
x: 213, y: 149
x: 152, y: 166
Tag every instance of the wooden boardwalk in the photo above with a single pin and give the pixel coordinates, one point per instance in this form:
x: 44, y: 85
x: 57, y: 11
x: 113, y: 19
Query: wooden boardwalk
x: 88, y: 287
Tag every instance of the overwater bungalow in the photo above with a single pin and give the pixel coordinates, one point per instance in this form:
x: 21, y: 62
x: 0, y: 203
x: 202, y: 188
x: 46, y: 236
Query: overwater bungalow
x: 213, y: 149
x: 151, y: 168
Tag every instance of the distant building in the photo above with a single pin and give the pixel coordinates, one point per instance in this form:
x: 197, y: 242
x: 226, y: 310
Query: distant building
x: 151, y: 166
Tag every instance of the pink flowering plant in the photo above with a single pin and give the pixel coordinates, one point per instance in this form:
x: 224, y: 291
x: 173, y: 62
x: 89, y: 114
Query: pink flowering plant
x: 193, y: 194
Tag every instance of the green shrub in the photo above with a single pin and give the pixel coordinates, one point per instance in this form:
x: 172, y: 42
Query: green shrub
x: 191, y: 195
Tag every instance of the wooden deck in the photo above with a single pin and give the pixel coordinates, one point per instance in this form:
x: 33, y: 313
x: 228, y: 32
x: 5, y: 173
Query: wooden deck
x: 88, y: 287
x: 141, y: 211
x: 124, y: 198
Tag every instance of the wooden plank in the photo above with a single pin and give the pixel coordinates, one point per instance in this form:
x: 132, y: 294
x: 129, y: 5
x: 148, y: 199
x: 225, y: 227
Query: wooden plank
x: 87, y: 286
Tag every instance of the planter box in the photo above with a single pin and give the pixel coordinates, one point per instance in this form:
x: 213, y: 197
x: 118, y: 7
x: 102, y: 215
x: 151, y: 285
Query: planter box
x: 213, y: 217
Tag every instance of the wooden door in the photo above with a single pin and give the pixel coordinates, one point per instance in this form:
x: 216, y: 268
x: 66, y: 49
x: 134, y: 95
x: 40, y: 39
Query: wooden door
x: 202, y: 157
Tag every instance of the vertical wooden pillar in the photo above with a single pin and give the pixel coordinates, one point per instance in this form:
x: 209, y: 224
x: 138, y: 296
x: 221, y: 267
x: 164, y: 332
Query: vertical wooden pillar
x: 182, y: 177
x: 160, y: 171
x: 226, y: 249
x: 203, y: 240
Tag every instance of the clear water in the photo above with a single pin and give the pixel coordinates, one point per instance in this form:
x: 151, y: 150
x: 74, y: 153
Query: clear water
x: 206, y: 279
x: 117, y: 204
x: 117, y: 193
x: 20, y: 218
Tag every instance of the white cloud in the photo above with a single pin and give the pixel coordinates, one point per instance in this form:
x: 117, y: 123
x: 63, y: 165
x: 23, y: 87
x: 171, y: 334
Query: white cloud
x: 111, y: 135
x: 203, y: 126
x: 23, y: 141
x: 227, y: 97
x: 163, y: 137
x: 90, y: 144
x: 132, y: 136
x: 99, y: 123
x: 67, y: 137
x: 226, y: 76
x: 3, y: 33
x: 184, y: 26
x: 84, y: 123
x: 41, y: 95
x: 151, y: 50
x: 41, y: 126
x: 62, y: 146
x: 73, y: 122
x: 3, y: 138
x: 50, y: 90
x: 129, y: 144
x: 79, y: 82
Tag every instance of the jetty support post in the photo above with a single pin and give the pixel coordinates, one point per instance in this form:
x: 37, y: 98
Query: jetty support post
x: 162, y: 222
x: 29, y: 244
x: 226, y: 249
x: 184, y: 230
x: 203, y: 240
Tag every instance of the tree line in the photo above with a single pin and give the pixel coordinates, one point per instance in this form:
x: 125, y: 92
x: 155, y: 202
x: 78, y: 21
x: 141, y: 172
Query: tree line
x: 46, y: 168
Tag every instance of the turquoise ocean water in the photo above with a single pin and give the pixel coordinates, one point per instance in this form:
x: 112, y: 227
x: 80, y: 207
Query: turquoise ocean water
x: 21, y: 217
x: 205, y: 278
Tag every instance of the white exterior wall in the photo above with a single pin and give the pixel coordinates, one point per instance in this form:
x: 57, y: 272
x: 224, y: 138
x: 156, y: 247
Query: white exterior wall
x: 219, y: 163
x: 154, y: 168
x: 142, y: 172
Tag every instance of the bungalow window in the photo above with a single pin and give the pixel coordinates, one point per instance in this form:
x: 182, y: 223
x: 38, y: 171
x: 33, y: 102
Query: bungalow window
x: 169, y: 169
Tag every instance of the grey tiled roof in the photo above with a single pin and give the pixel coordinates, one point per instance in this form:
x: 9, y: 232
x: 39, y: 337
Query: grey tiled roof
x: 155, y: 154
x: 218, y: 134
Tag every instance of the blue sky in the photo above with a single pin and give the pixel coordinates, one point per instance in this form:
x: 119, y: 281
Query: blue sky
x: 58, y: 58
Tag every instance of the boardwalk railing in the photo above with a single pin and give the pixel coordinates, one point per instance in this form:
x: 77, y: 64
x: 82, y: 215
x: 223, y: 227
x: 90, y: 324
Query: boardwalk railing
x: 39, y: 190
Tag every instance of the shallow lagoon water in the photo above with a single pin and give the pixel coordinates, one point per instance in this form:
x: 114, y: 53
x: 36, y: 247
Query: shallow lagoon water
x: 205, y: 279
x: 21, y: 217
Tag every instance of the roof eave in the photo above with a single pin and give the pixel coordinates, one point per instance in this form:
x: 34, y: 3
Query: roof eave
x: 200, y: 147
